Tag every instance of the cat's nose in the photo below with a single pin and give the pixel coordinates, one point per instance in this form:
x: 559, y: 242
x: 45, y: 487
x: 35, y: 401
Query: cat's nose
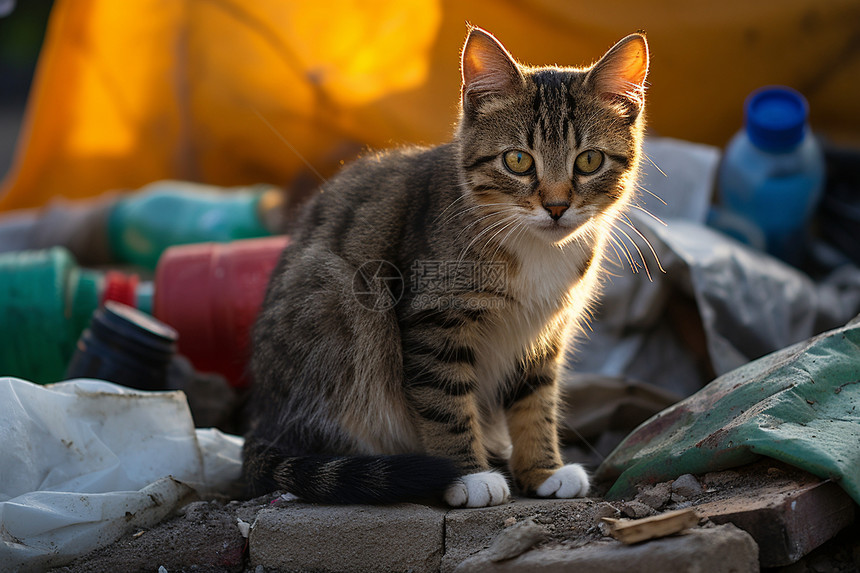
x: 556, y: 209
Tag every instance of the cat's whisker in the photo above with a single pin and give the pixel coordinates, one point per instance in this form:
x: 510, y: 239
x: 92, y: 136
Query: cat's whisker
x: 454, y: 202
x: 630, y: 224
x: 480, y: 233
x: 473, y: 223
x: 484, y: 231
x: 646, y: 190
x: 613, y: 258
x: 512, y: 221
x: 501, y: 218
x: 472, y: 208
x: 519, y: 227
x: 638, y: 250
x: 624, y: 249
x: 649, y: 213
x: 657, y: 167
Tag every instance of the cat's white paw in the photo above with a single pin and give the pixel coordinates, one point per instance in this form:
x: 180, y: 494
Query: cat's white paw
x: 478, y: 490
x: 567, y: 481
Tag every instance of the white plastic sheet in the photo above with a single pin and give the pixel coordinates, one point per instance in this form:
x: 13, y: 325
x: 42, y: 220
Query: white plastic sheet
x: 749, y: 303
x: 84, y: 461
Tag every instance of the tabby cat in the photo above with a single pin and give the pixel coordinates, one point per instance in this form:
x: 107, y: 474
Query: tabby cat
x: 411, y: 334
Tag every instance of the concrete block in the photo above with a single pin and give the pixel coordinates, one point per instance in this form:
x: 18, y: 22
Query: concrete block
x: 719, y: 549
x: 468, y: 531
x: 303, y: 537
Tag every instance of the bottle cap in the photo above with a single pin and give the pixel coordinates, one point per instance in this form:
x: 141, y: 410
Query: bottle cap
x: 120, y: 287
x: 776, y: 118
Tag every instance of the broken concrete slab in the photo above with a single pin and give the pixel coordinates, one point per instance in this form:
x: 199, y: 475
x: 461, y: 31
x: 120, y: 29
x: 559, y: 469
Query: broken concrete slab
x: 469, y: 531
x: 301, y: 537
x: 718, y: 549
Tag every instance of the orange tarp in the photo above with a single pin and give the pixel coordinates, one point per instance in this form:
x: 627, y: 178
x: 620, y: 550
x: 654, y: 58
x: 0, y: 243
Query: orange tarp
x: 232, y: 92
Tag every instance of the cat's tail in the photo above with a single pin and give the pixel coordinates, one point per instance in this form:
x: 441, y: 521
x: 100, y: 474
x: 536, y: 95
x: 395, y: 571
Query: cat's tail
x: 348, y: 479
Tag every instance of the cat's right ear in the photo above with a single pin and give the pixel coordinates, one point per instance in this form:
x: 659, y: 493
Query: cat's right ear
x: 488, y: 70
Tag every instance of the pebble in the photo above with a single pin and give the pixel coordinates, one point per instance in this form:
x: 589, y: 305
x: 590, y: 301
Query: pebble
x: 655, y: 496
x: 636, y: 509
x: 605, y: 510
x: 686, y: 485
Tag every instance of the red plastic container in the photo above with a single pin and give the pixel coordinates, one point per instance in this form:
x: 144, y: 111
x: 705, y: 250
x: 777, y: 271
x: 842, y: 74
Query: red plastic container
x: 211, y: 294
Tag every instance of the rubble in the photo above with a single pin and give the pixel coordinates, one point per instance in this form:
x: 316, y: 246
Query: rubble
x: 655, y: 496
x: 770, y: 514
x: 516, y: 540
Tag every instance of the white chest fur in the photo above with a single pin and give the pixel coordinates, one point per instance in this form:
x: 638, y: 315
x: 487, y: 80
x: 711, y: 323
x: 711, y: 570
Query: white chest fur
x: 547, y: 287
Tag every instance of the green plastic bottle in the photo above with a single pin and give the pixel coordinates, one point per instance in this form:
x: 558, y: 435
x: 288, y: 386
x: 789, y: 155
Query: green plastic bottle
x: 167, y: 213
x: 46, y: 301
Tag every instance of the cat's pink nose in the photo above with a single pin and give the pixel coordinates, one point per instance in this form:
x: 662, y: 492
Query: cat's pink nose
x: 556, y: 210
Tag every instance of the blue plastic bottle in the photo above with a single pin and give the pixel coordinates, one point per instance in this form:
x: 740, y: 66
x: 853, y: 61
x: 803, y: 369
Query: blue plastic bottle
x: 773, y: 170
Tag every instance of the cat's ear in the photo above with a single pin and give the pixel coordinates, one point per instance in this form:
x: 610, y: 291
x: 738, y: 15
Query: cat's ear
x: 488, y: 69
x: 620, y: 73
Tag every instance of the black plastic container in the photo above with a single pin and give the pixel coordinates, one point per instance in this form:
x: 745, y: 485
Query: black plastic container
x: 125, y: 346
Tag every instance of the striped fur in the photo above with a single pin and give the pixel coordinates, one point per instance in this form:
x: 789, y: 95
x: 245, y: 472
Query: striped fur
x: 412, y: 331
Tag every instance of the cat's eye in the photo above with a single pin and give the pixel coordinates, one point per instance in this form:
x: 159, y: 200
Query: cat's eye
x: 519, y: 162
x: 588, y: 161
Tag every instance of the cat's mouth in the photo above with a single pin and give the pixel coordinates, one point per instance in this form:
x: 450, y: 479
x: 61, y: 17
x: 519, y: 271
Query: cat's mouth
x: 557, y: 231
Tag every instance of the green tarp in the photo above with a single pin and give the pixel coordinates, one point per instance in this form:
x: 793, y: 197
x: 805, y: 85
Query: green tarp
x: 800, y: 405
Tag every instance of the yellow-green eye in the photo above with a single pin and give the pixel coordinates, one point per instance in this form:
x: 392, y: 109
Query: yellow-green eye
x: 519, y: 162
x: 588, y: 161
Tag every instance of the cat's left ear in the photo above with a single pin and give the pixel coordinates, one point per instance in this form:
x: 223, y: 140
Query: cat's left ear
x: 620, y: 73
x: 488, y: 69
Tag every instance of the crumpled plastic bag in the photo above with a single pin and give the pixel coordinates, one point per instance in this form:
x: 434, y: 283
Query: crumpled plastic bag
x: 709, y: 298
x: 83, y: 462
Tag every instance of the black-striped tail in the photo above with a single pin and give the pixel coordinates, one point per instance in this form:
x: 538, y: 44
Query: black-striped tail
x: 348, y: 479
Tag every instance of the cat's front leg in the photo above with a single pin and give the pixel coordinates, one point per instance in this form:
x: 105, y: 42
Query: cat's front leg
x: 441, y: 396
x: 532, y: 411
